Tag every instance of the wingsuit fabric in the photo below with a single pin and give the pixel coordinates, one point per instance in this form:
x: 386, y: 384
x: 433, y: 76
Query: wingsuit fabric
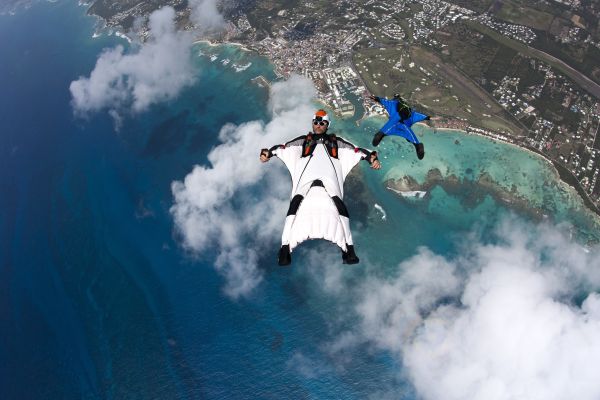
x: 395, y: 125
x: 318, y: 165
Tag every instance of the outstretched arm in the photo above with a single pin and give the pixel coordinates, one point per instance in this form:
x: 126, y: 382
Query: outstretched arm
x: 289, y: 152
x: 375, y: 98
x: 370, y: 157
x: 417, y: 117
x: 389, y: 105
x: 350, y: 155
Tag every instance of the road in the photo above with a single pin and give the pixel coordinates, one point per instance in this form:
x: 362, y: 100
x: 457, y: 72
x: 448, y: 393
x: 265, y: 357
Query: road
x: 586, y: 83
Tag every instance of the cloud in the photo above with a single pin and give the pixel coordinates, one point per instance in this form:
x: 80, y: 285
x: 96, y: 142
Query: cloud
x: 156, y: 71
x: 205, y: 15
x: 501, y: 322
x: 235, y: 204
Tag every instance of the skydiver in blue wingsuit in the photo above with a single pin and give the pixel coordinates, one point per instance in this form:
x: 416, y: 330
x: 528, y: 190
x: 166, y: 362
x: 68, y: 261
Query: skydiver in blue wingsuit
x: 401, y: 118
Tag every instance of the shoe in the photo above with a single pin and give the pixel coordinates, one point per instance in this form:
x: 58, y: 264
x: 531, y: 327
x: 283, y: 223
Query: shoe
x: 349, y: 256
x: 420, y: 150
x: 285, y: 258
x: 377, y: 138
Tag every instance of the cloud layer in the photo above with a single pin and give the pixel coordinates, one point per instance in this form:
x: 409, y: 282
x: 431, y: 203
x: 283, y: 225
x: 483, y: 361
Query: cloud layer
x: 503, y: 322
x: 156, y: 72
x: 235, y: 204
x: 152, y: 72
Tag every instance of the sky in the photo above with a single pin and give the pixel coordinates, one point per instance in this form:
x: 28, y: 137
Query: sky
x: 516, y: 317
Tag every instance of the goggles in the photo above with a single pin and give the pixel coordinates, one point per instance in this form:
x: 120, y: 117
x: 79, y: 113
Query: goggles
x: 320, y: 121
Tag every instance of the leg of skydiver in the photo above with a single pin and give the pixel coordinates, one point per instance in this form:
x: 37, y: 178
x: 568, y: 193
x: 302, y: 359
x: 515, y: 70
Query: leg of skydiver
x: 410, y: 136
x: 285, y: 256
x: 377, y: 138
x: 348, y: 256
x: 385, y: 130
x: 420, y: 150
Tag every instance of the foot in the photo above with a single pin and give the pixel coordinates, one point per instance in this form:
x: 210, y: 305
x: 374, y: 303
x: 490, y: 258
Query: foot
x: 377, y: 138
x: 285, y: 257
x: 420, y: 150
x: 349, y: 256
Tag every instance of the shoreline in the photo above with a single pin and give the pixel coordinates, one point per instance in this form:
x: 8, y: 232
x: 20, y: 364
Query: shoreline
x: 216, y: 44
x: 563, y: 173
x: 571, y: 180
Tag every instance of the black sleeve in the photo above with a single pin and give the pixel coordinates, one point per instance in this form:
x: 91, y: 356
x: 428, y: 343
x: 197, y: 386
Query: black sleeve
x: 368, y: 154
x: 368, y: 158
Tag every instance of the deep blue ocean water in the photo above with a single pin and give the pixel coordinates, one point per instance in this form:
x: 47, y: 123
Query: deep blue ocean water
x: 97, y: 298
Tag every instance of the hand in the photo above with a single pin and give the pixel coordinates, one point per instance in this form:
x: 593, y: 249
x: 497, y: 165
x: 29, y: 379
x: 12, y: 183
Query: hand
x: 264, y: 155
x: 375, y: 164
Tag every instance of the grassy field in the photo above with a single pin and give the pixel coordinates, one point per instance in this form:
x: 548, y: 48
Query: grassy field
x: 475, y: 5
x: 519, y: 13
x: 431, y: 84
x: 547, y: 58
x: 468, y: 50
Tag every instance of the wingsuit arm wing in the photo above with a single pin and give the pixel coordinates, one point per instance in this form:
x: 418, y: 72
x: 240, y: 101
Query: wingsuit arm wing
x: 350, y: 155
x: 418, y: 117
x: 288, y: 152
x: 389, y: 105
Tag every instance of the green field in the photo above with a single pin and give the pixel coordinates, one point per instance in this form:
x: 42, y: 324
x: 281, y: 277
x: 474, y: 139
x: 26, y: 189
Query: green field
x: 589, y: 68
x: 519, y: 13
x: 432, y: 84
x: 475, y: 5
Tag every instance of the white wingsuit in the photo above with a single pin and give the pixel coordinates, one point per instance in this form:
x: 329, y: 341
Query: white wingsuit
x: 318, y: 165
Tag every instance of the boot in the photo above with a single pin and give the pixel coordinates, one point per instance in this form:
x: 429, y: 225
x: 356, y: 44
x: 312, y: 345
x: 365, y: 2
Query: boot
x: 420, y: 150
x: 349, y: 256
x: 377, y: 138
x: 285, y: 257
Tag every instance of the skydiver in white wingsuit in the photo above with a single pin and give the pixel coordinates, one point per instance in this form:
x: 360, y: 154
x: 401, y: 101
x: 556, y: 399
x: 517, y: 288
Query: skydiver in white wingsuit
x: 318, y: 163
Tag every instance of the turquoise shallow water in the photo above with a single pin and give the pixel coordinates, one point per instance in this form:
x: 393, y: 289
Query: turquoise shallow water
x: 97, y: 297
x: 522, y: 181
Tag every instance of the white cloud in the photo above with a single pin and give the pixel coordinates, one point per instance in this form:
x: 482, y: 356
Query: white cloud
x: 498, y: 323
x: 156, y: 72
x: 235, y: 204
x: 205, y: 15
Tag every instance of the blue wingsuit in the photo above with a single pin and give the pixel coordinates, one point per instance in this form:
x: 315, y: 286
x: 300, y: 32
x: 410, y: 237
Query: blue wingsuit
x: 395, y: 125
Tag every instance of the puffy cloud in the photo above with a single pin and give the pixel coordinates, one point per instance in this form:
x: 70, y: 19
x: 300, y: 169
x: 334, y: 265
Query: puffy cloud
x: 205, y: 15
x: 236, y: 204
x: 156, y: 72
x: 502, y: 322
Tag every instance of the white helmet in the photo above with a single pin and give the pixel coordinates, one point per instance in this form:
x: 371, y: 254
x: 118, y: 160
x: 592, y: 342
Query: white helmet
x: 321, y: 115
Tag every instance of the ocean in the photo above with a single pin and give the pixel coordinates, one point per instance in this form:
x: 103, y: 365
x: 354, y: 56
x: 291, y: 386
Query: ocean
x: 99, y: 300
